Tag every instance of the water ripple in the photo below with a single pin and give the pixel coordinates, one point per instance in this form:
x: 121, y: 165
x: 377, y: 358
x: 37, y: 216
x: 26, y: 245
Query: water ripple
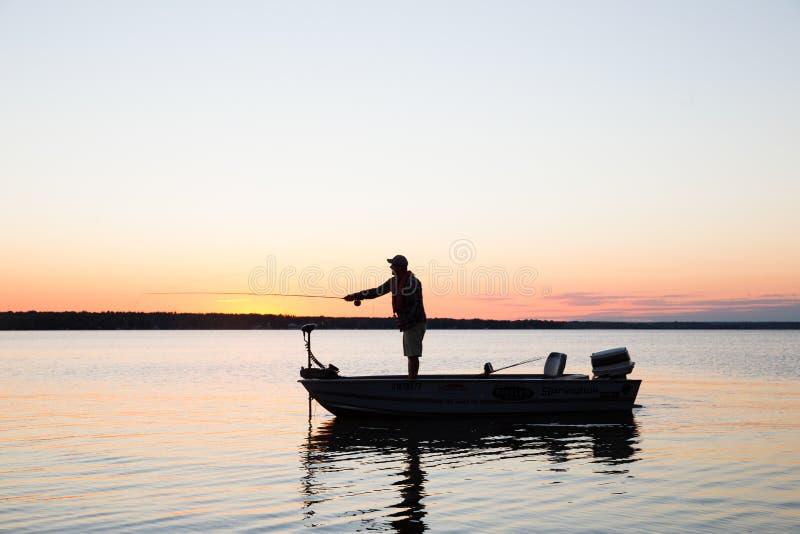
x: 144, y: 431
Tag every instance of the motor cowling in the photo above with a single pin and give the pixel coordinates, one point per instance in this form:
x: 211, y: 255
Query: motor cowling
x: 612, y: 363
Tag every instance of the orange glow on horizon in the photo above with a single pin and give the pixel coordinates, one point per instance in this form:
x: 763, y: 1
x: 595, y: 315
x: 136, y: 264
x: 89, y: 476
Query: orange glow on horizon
x: 624, y: 293
x: 578, y: 305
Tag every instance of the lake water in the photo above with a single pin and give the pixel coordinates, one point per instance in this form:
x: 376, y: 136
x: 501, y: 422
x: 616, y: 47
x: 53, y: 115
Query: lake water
x: 208, y: 430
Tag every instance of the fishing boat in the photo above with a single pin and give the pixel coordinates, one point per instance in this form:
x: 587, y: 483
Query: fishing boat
x: 480, y: 394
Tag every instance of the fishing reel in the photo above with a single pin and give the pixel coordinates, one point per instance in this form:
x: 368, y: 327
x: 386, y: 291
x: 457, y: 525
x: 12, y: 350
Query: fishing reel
x: 352, y: 297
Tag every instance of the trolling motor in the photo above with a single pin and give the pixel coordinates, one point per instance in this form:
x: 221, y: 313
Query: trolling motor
x: 331, y: 371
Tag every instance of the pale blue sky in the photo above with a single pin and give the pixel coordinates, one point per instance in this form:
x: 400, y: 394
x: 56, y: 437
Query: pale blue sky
x: 563, y: 135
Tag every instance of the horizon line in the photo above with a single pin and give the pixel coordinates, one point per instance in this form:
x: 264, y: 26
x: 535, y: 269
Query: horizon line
x: 794, y: 324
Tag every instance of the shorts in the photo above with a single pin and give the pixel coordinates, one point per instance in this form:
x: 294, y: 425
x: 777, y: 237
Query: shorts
x: 412, y: 340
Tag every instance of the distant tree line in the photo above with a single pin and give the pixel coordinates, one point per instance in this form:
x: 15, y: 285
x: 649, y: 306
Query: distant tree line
x: 33, y: 320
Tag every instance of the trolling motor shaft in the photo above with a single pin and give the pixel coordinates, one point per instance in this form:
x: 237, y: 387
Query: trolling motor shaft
x: 307, y: 329
x: 331, y: 371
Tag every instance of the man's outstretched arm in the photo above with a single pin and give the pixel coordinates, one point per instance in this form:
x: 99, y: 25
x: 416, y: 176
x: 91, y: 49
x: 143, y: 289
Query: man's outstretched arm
x: 375, y: 292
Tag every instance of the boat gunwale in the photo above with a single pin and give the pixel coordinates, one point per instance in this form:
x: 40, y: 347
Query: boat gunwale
x: 471, y: 378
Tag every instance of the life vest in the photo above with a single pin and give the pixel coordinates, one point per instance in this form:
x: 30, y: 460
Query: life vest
x: 397, y: 291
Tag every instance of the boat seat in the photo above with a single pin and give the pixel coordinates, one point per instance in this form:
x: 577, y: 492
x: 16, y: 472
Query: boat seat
x: 554, y: 366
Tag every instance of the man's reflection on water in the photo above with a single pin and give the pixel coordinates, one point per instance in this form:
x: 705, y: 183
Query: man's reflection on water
x: 411, y: 511
x: 365, y: 451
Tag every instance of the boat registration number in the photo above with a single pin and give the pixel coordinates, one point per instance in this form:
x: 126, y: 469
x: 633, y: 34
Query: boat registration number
x: 406, y: 386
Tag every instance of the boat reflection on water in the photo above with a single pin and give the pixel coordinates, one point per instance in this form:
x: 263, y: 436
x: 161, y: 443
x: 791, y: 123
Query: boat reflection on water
x: 376, y: 470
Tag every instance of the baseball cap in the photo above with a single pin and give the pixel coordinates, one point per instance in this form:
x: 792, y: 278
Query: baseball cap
x: 398, y: 261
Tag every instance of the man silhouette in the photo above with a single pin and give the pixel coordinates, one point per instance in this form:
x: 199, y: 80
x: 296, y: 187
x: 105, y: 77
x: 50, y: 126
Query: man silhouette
x: 406, y: 291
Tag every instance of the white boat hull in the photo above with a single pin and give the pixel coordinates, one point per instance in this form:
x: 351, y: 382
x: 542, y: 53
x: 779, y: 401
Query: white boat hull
x: 471, y: 395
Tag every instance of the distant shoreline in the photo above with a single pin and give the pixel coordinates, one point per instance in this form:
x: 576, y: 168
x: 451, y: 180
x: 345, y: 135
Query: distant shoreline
x: 32, y: 320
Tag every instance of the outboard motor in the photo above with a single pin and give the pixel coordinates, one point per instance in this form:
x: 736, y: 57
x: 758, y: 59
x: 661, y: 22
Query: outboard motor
x: 612, y: 363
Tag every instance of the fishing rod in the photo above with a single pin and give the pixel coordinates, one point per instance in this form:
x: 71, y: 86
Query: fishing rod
x: 242, y: 293
x: 488, y: 369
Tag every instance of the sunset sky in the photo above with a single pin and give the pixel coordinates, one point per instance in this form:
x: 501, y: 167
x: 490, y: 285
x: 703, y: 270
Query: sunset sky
x: 550, y: 160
